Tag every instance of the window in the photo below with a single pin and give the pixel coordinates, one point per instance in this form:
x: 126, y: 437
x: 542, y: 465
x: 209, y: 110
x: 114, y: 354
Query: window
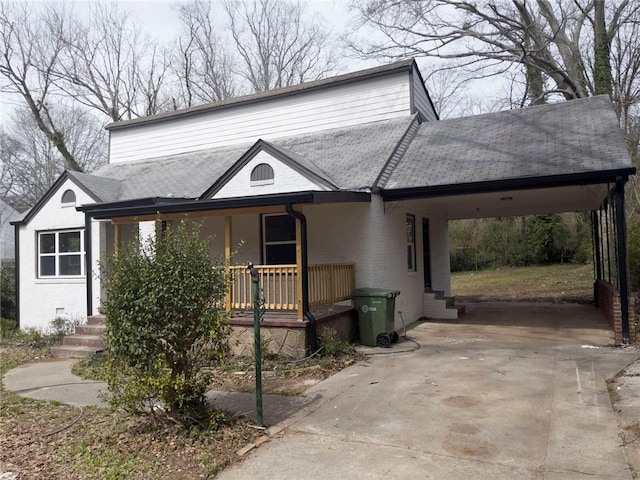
x: 411, y: 242
x: 68, y: 197
x: 61, y: 254
x: 262, y: 174
x: 279, y: 239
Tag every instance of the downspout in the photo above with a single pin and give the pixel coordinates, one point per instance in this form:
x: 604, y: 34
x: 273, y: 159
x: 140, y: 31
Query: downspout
x: 621, y: 242
x: 16, y: 271
x: 87, y: 264
x: 312, y: 334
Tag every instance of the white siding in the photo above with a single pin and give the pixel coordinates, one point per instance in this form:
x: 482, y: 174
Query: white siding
x: 421, y: 100
x: 286, y: 179
x: 41, y: 298
x: 340, y: 106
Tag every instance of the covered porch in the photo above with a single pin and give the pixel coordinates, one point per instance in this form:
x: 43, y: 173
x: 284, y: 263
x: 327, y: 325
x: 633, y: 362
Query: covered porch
x: 299, y: 296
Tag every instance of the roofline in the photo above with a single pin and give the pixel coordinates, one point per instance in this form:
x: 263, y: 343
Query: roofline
x: 66, y: 175
x: 511, y: 184
x: 275, y: 152
x: 151, y: 206
x: 416, y: 71
x: 344, y: 79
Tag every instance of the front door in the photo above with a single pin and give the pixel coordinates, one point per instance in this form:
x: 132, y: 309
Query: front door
x: 426, y: 254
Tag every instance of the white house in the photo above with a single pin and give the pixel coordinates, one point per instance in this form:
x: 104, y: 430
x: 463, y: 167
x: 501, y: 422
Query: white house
x: 329, y: 185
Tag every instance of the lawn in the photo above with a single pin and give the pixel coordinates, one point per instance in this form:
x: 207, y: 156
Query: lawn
x: 549, y: 283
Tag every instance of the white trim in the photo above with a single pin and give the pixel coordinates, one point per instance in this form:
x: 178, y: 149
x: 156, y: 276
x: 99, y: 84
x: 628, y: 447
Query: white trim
x: 57, y: 254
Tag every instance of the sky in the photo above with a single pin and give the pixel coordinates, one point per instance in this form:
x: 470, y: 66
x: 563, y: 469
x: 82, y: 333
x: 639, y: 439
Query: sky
x: 158, y: 19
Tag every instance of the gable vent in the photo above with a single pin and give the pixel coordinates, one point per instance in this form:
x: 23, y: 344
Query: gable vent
x: 68, y: 197
x: 262, y: 174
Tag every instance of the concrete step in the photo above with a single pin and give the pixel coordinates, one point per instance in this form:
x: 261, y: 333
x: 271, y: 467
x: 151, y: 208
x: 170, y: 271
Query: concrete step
x: 73, y: 351
x: 84, y: 340
x: 96, y: 320
x: 97, y: 330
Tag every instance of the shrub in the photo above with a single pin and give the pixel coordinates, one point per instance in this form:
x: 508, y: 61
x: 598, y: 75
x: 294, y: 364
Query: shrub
x: 165, y: 320
x: 7, y: 292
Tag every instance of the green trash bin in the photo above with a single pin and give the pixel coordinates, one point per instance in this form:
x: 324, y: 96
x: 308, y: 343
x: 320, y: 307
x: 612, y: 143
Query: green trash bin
x: 376, y: 308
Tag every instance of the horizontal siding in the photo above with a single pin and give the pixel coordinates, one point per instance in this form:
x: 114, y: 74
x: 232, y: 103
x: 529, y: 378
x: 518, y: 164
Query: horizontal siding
x: 347, y: 105
x: 421, y: 100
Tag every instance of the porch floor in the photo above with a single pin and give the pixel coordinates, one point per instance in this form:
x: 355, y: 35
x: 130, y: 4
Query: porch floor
x: 289, y: 318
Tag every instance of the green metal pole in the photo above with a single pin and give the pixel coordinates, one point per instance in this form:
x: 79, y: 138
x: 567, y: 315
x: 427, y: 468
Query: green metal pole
x: 256, y: 339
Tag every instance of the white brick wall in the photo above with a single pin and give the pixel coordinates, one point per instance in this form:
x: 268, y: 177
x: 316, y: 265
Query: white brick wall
x: 41, y: 298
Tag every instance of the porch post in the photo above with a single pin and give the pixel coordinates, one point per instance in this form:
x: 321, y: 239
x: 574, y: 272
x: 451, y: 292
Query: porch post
x: 88, y: 263
x: 228, y: 233
x: 621, y: 242
x: 299, y: 286
x: 116, y: 237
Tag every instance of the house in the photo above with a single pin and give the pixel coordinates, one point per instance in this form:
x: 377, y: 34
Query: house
x: 329, y: 185
x: 7, y: 235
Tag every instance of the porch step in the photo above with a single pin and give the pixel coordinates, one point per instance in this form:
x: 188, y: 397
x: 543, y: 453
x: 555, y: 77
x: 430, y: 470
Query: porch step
x: 73, y: 351
x: 438, y: 306
x: 87, y: 340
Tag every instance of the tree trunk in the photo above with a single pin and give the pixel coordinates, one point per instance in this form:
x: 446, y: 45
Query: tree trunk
x: 602, y: 45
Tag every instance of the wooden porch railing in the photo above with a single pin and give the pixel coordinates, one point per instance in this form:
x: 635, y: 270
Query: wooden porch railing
x: 328, y: 284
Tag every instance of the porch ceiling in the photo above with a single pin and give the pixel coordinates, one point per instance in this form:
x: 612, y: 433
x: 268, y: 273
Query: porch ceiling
x: 516, y: 202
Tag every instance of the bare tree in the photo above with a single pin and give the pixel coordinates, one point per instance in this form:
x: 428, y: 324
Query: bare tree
x: 553, y: 37
x: 107, y: 64
x: 277, y: 45
x: 202, y: 61
x: 29, y: 54
x: 30, y: 162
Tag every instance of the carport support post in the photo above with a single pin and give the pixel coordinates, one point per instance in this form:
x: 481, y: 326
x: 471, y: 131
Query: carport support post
x: 228, y: 235
x: 621, y: 242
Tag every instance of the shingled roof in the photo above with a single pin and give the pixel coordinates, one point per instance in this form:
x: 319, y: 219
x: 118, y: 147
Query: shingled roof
x: 351, y: 158
x: 580, y: 136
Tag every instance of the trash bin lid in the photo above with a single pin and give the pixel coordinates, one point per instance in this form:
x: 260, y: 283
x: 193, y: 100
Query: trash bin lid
x: 375, y: 292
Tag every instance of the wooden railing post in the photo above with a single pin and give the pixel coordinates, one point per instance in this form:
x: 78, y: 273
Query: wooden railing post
x: 228, y: 227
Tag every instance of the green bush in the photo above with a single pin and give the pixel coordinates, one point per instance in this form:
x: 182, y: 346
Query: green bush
x: 7, y: 292
x: 165, y: 320
x: 633, y: 246
x: 8, y: 327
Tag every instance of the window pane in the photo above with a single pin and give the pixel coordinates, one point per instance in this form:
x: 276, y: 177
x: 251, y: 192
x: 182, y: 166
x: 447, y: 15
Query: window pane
x: 279, y: 228
x: 47, y: 266
x: 411, y: 258
x: 70, y: 265
x: 47, y: 243
x: 70, y: 242
x: 281, y: 254
x: 411, y: 224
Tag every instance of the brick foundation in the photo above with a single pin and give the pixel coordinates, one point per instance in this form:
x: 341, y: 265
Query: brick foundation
x: 289, y: 337
x: 607, y: 298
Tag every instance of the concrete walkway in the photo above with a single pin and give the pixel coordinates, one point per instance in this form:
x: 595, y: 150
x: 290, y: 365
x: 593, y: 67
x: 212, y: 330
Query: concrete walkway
x: 508, y: 391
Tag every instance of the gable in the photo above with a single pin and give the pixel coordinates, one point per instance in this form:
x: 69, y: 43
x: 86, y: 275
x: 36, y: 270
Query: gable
x: 52, y: 210
x: 265, y: 170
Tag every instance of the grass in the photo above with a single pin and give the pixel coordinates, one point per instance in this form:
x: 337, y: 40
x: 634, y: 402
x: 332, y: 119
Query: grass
x: 549, y: 283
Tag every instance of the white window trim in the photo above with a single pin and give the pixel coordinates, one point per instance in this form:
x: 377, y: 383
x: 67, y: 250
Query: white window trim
x: 258, y: 183
x: 58, y: 254
x: 411, y: 243
x: 264, y: 235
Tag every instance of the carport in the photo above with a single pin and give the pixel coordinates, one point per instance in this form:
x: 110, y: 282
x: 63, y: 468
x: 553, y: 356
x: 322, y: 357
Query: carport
x: 547, y: 159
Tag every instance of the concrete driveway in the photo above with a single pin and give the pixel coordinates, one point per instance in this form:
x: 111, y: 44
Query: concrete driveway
x: 509, y: 391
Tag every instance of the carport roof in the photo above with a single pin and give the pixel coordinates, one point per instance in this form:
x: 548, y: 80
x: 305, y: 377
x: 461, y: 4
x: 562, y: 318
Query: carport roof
x: 574, y: 142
